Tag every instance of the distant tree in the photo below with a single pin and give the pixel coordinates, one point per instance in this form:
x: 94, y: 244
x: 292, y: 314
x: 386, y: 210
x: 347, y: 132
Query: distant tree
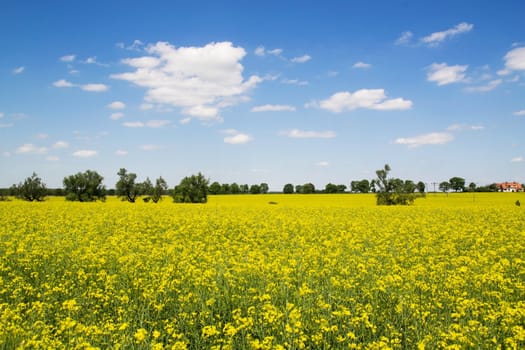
x: 362, y: 186
x: 126, y: 188
x: 255, y: 189
x: 308, y: 188
x: 420, y: 186
x: 330, y: 188
x: 472, y: 187
x: 146, y: 190
x: 457, y: 183
x: 32, y: 189
x: 161, y: 186
x: 373, y: 186
x: 299, y: 189
x: 444, y: 186
x: 235, y: 188
x: 215, y: 188
x: 288, y: 189
x: 264, y: 188
x: 84, y: 187
x: 244, y: 188
x: 341, y: 188
x: 225, y: 189
x: 4, y: 192
x: 393, y: 191
x: 191, y: 189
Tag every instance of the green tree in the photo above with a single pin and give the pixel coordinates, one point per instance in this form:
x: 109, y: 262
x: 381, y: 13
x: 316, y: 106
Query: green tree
x: 84, y: 187
x: 234, y: 188
x: 299, y: 189
x: 457, y: 183
x: 264, y: 188
x: 472, y: 187
x: 32, y: 189
x: 215, y: 188
x: 288, y: 189
x: 330, y: 188
x: 225, y: 189
x: 444, y: 186
x: 146, y: 190
x: 191, y: 189
x: 308, y: 188
x: 341, y: 188
x: 244, y: 188
x: 393, y: 191
x: 420, y: 187
x: 255, y: 189
x: 126, y: 188
x: 159, y: 190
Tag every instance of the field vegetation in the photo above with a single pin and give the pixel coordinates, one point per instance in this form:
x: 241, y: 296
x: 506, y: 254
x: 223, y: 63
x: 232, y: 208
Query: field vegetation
x: 264, y: 272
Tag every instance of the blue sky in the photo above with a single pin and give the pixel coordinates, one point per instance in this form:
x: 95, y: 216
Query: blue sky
x: 273, y: 91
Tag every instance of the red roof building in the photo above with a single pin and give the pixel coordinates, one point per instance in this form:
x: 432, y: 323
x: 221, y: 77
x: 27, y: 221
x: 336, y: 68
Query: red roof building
x: 510, y: 187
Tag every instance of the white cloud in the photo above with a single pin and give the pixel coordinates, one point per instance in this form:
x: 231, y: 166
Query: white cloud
x: 121, y: 152
x: 276, y: 52
x: 117, y: 105
x: 199, y: 80
x: 137, y: 45
x: 517, y: 160
x: 68, y: 58
x: 520, y: 113
x: 404, y: 38
x: 236, y: 137
x: 435, y: 138
x: 85, y: 153
x: 302, y: 134
x: 294, y: 82
x: 146, y: 106
x: 301, y: 59
x: 62, y: 83
x: 150, y: 147
x: 42, y: 136
x: 259, y: 51
x: 442, y: 74
x: 94, y: 87
x: 514, y: 60
x: 116, y: 116
x: 53, y: 158
x: 29, y: 148
x: 365, y: 98
x: 273, y: 108
x: 6, y: 154
x: 1, y: 115
x: 157, y: 123
x: 485, y: 88
x: 19, y: 70
x: 461, y: 127
x: 362, y: 65
x: 133, y: 124
x: 436, y: 38
x: 60, y: 144
x: 322, y: 163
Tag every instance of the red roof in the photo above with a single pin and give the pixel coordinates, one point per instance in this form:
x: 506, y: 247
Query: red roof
x: 510, y: 185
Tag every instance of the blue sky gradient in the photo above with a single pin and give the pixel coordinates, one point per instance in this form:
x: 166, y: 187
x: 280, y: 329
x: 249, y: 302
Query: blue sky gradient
x: 273, y: 91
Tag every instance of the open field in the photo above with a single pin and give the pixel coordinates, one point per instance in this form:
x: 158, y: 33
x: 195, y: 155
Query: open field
x: 312, y: 271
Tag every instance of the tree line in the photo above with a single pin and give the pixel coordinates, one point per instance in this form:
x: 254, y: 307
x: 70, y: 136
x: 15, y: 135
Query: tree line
x: 88, y: 187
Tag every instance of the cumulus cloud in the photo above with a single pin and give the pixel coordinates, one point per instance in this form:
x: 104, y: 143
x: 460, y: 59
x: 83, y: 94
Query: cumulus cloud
x: 443, y: 74
x: 117, y: 105
x: 517, y: 160
x: 273, y: 108
x: 514, y: 61
x: 19, y: 70
x: 62, y: 83
x: 365, y: 98
x: 520, y: 113
x: 68, y: 58
x: 301, y: 59
x: 491, y: 85
x: 436, y: 38
x: 434, y: 138
x: 86, y: 153
x: 29, y: 148
x: 361, y: 65
x: 303, y: 134
x: 404, y: 38
x: 235, y: 137
x: 116, y: 115
x: 60, y: 144
x: 94, y: 87
x: 199, y: 80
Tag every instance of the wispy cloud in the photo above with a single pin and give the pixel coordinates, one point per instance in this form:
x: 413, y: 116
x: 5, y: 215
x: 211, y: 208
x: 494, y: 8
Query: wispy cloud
x: 463, y: 127
x: 150, y: 147
x: 121, y: 152
x: 94, y: 87
x: 60, y: 144
x: 294, y: 82
x: 116, y: 115
x: 365, y: 98
x: 235, y: 137
x: 322, y: 163
x: 68, y: 58
x: 434, y: 138
x: 62, y: 83
x: 301, y: 59
x: 437, y: 38
x: 519, y: 113
x: 273, y: 108
x: 517, y: 159
x: 404, y: 38
x: 443, y: 74
x: 117, y: 105
x: 86, y: 153
x: 362, y: 65
x: 308, y: 134
x: 18, y: 70
x: 491, y: 85
x: 29, y: 148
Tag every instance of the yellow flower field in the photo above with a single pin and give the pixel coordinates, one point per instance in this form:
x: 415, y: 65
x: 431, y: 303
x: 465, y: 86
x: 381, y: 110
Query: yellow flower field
x: 264, y: 272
